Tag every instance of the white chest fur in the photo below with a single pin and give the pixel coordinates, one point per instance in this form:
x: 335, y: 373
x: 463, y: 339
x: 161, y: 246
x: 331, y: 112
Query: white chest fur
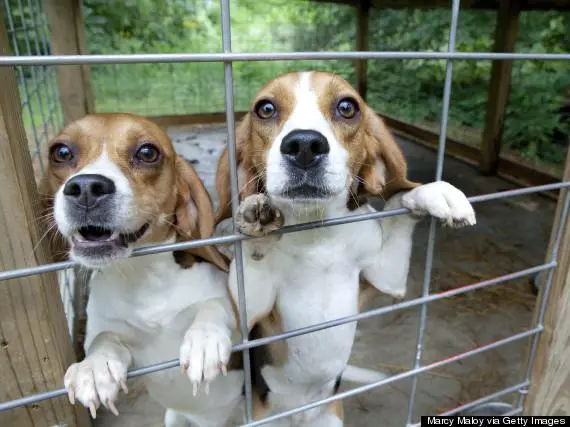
x: 315, y: 275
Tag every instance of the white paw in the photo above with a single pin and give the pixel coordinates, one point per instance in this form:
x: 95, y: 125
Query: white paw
x: 205, y: 353
x: 96, y: 381
x: 443, y: 201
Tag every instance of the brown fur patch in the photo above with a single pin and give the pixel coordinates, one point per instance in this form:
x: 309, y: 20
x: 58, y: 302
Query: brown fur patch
x: 337, y: 409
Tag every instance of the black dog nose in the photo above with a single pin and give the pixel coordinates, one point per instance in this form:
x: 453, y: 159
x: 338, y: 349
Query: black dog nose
x: 87, y: 189
x: 304, y: 148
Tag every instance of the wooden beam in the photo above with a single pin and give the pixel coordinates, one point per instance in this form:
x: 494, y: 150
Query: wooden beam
x: 506, y: 32
x: 550, y: 387
x: 362, y: 37
x: 558, y: 5
x: 35, y: 346
x: 68, y: 38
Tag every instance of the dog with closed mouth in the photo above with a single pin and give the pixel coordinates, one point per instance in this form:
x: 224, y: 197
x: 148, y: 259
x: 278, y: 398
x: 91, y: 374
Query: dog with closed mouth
x: 311, y: 149
x: 113, y: 184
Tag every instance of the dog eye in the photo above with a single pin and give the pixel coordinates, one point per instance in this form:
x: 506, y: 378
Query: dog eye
x: 61, y: 153
x: 347, y: 108
x: 147, y: 153
x: 265, y: 109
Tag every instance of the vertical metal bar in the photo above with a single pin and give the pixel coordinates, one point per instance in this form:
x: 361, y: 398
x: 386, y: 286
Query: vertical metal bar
x: 238, y: 257
x: 543, y: 301
x: 432, y: 230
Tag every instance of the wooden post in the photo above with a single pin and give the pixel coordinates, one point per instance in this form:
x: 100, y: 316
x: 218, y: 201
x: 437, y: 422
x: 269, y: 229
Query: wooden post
x: 67, y: 37
x: 362, y: 37
x: 550, y: 386
x: 506, y: 33
x: 35, y: 346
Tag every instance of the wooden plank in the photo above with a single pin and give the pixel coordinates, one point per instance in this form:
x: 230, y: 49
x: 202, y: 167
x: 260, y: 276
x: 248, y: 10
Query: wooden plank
x: 35, y: 346
x: 194, y: 119
x: 550, y: 388
x: 506, y: 33
x: 508, y: 169
x: 68, y: 38
x: 362, y: 38
x: 559, y: 5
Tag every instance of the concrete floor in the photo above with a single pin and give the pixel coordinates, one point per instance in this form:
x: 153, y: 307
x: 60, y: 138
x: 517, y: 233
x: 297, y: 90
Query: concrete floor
x: 510, y: 235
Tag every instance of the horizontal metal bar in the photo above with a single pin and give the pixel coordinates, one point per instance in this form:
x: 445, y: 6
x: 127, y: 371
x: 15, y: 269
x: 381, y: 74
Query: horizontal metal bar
x: 149, y: 58
x: 224, y: 240
x: 485, y: 399
x: 301, y: 331
x: 399, y: 377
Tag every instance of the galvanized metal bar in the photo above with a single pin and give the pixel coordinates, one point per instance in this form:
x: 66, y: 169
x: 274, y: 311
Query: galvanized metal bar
x: 485, y: 399
x: 544, y: 299
x: 153, y: 58
x: 224, y: 240
x: 309, y: 329
x: 433, y: 222
x: 398, y: 377
x: 232, y: 158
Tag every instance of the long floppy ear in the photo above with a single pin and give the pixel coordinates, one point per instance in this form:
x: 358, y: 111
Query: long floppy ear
x: 248, y: 181
x: 195, y: 214
x: 384, y: 170
x: 58, y: 245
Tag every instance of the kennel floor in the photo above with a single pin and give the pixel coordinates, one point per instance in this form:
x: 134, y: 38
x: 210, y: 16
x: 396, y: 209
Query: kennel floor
x: 510, y: 234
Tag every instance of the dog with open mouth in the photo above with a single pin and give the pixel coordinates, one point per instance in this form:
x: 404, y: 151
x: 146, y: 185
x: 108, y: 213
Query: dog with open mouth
x: 311, y: 149
x: 114, y: 183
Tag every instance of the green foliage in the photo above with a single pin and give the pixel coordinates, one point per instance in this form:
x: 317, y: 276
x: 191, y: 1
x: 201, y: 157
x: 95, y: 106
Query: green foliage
x: 409, y: 89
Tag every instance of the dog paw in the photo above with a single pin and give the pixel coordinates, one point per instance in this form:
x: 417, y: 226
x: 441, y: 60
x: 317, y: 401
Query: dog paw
x: 96, y: 381
x: 204, y: 353
x: 257, y: 216
x: 443, y: 201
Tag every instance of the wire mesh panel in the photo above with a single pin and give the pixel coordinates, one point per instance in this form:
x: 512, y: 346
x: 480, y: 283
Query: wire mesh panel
x: 231, y: 64
x: 27, y: 28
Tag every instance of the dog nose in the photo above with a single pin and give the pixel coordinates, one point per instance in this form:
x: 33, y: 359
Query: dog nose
x: 304, y: 148
x: 88, y: 189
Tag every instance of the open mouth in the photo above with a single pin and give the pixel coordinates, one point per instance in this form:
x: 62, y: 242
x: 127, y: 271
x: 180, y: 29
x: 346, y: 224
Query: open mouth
x: 91, y: 236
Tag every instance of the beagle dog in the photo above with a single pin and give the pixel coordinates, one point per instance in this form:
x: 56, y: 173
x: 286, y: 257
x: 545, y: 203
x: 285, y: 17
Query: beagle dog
x: 308, y: 150
x: 113, y: 184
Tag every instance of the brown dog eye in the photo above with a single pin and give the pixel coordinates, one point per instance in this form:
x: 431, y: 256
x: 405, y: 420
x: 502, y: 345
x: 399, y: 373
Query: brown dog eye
x: 347, y: 108
x: 147, y: 153
x: 61, y: 153
x: 265, y: 109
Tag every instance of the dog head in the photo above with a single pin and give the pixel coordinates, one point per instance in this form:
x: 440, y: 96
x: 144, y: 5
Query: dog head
x: 114, y: 183
x: 310, y: 140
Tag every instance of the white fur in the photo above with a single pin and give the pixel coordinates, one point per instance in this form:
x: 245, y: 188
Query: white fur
x: 146, y: 310
x: 306, y: 115
x: 312, y: 276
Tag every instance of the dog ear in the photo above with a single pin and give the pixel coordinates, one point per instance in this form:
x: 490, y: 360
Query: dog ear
x: 194, y: 213
x: 384, y: 169
x: 248, y: 181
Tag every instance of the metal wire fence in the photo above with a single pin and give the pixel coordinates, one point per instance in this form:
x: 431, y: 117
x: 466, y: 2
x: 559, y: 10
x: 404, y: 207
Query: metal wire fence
x: 27, y: 29
x: 227, y: 57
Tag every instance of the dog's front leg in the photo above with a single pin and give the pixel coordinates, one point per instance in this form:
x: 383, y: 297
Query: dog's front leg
x: 388, y: 271
x: 97, y: 379
x: 207, y: 343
